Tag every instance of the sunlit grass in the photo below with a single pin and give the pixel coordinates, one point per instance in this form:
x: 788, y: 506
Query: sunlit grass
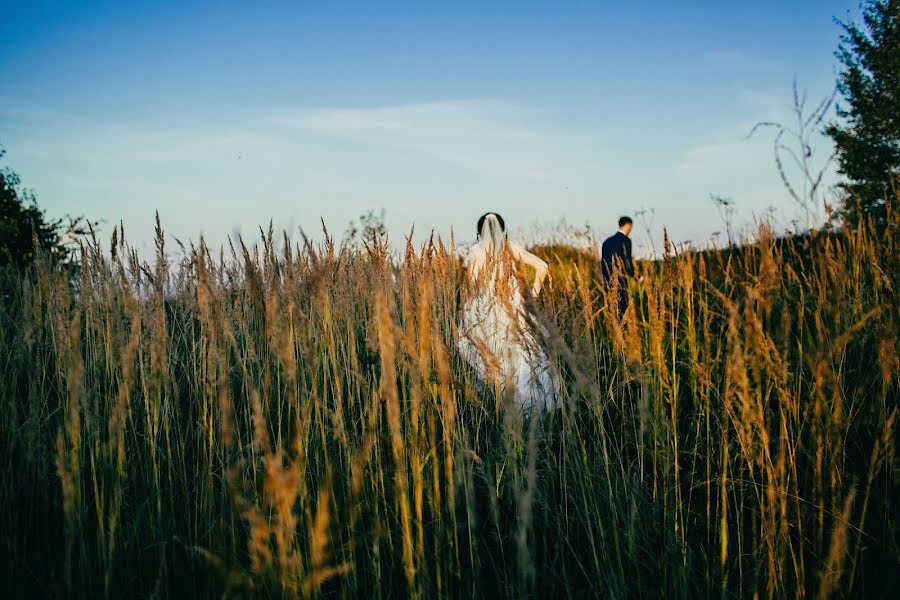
x: 294, y: 420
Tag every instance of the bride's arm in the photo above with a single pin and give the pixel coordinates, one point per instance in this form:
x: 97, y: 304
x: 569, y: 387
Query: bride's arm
x: 540, y: 266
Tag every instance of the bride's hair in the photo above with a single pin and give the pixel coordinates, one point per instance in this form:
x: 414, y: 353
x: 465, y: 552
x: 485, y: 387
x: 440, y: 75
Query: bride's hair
x: 491, y: 233
x: 485, y: 216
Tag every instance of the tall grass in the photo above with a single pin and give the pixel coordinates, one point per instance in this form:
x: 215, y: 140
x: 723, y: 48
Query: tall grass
x: 294, y: 420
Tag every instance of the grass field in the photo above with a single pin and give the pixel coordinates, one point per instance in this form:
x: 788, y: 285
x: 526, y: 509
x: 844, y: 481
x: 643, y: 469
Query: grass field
x: 297, y: 422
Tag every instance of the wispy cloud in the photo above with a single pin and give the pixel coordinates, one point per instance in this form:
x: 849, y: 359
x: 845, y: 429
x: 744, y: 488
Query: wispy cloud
x: 741, y: 60
x: 294, y: 164
x: 458, y: 118
x: 487, y: 136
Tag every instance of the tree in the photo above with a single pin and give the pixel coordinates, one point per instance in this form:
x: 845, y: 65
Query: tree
x: 868, y: 141
x: 22, y: 224
x: 369, y: 228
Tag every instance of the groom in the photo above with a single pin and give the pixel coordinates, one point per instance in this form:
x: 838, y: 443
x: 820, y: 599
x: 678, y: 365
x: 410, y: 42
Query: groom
x: 615, y: 260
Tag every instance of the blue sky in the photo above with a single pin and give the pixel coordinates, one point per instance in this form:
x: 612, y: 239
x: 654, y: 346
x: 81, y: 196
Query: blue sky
x: 224, y: 117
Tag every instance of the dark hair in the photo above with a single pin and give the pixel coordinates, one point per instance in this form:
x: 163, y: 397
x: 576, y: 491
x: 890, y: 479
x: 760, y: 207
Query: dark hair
x: 624, y: 221
x: 484, y: 216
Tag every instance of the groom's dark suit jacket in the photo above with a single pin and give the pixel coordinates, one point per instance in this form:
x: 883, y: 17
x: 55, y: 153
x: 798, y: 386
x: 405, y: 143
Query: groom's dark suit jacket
x: 616, y: 248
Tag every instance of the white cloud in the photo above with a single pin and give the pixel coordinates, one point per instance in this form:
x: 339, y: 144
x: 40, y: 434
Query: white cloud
x: 435, y: 164
x: 292, y: 165
x: 486, y: 136
x: 481, y: 118
x: 738, y: 60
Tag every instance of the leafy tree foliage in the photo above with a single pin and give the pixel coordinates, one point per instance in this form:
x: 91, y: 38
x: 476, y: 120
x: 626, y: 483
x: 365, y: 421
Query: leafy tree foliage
x: 23, y: 225
x: 868, y: 141
x: 369, y: 228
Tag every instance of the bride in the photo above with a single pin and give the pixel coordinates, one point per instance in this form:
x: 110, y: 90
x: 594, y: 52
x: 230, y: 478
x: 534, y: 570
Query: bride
x: 497, y: 335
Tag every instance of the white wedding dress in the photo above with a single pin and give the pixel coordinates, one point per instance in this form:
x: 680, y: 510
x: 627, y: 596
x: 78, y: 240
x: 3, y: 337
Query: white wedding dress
x: 496, y: 334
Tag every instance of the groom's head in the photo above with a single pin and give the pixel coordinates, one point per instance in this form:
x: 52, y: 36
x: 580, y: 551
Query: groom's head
x: 625, y: 225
